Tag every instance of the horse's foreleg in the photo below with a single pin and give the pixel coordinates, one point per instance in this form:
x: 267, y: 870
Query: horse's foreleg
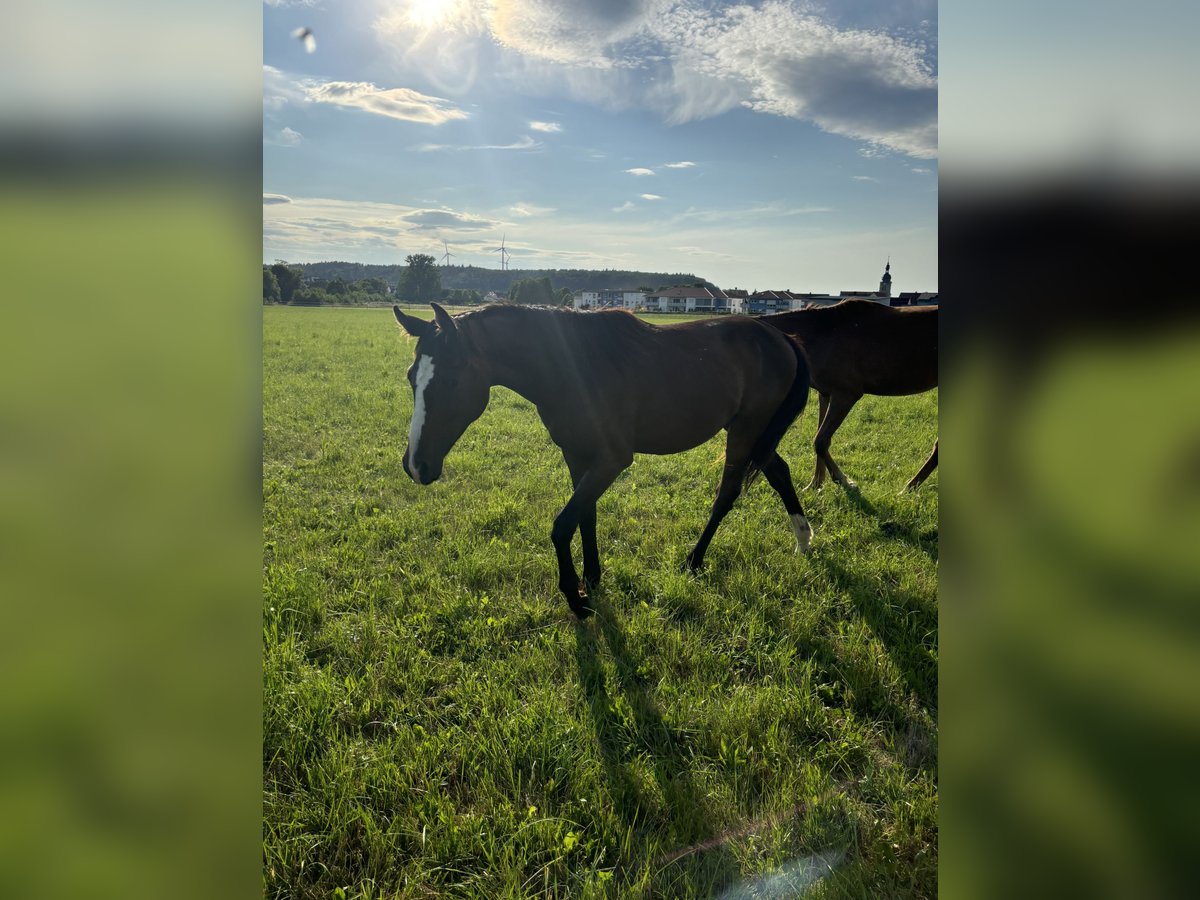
x: 587, y: 528
x: 839, y: 407
x: 819, y: 469
x: 580, y: 508
x: 779, y: 476
x: 925, y: 471
x: 737, y: 458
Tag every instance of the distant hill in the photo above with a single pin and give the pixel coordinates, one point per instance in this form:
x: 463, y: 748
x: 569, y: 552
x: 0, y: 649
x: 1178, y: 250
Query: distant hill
x: 483, y: 280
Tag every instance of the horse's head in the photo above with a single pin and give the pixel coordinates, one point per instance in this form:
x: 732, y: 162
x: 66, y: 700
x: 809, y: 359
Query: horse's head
x: 450, y: 391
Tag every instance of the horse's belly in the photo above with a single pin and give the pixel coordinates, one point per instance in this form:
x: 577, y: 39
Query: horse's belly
x: 678, y: 428
x: 902, y: 387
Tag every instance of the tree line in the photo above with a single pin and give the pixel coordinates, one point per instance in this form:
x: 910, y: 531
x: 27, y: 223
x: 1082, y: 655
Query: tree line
x: 419, y: 281
x: 478, y: 278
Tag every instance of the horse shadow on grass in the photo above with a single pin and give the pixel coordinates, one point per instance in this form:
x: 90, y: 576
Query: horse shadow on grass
x: 925, y: 541
x: 900, y: 620
x: 636, y: 737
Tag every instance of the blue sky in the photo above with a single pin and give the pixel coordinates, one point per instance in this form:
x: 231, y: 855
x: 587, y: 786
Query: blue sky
x: 766, y: 146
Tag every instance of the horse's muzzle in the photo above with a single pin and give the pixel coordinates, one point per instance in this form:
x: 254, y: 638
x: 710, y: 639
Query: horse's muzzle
x: 424, y: 474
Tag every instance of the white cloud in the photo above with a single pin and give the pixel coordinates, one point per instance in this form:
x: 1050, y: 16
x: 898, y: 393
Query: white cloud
x: 448, y: 218
x: 920, y: 170
x: 690, y: 60
x: 640, y: 172
x: 685, y: 164
x: 527, y: 210
x: 571, y: 31
x: 625, y: 207
x: 279, y: 89
x: 309, y: 228
x: 650, y: 196
x: 397, y: 103
x: 865, y: 178
x: 704, y: 252
x: 548, y: 127
x: 525, y: 143
x: 746, y: 216
x: 284, y: 137
x: 790, y: 62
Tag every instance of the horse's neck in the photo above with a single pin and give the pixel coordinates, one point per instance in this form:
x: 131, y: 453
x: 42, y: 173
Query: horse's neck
x: 518, y: 360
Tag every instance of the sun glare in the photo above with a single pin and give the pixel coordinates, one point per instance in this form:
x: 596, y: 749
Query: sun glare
x: 431, y: 13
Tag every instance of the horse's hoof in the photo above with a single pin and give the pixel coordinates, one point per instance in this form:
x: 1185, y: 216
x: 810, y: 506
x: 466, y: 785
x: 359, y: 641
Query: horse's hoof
x: 580, y: 605
x: 579, y: 602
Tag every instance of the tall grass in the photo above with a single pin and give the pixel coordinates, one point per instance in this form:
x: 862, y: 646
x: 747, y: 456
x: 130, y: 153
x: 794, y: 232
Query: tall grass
x: 436, y: 723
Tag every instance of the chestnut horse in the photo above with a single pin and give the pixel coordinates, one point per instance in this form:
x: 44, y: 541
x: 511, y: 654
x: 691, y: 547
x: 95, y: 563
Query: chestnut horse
x: 608, y: 385
x: 858, y: 347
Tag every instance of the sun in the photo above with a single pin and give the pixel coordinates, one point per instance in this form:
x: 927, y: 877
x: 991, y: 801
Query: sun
x: 429, y: 14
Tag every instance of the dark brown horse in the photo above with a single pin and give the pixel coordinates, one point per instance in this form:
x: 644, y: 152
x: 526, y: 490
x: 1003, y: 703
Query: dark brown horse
x: 608, y: 385
x: 861, y: 347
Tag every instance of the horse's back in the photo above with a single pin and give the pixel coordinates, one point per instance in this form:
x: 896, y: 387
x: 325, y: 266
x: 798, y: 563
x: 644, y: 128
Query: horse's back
x: 863, y: 347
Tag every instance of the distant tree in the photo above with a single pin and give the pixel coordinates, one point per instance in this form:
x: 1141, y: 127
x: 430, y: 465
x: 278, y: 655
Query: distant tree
x: 420, y: 281
x: 310, y: 296
x: 336, y: 286
x: 565, y: 296
x: 645, y: 290
x: 372, y: 286
x: 532, y: 292
x: 270, y: 286
x: 288, y: 278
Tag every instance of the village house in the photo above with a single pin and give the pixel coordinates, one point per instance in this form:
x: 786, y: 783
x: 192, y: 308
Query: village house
x: 693, y: 299
x: 608, y: 299
x: 688, y: 299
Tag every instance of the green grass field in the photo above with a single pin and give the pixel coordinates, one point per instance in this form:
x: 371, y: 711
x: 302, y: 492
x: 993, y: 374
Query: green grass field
x: 436, y: 723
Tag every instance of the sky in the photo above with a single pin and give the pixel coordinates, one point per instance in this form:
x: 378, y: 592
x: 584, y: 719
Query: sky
x: 771, y: 145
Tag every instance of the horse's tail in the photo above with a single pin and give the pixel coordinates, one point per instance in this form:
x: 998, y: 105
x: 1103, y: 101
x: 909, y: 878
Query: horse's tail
x: 787, y: 413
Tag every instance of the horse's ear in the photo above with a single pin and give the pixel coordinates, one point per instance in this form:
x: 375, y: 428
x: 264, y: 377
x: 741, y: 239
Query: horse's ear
x: 416, y: 327
x: 445, y: 323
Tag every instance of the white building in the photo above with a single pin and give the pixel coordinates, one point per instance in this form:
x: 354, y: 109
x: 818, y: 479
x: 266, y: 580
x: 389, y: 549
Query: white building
x: 608, y: 299
x: 688, y: 299
x: 766, y: 302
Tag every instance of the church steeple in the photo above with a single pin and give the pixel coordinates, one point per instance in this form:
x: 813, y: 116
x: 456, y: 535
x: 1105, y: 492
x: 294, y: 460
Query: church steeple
x: 885, y: 285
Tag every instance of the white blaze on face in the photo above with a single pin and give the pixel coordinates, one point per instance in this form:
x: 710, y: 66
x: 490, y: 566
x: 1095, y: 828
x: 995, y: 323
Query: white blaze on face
x: 424, y: 376
x: 803, y: 531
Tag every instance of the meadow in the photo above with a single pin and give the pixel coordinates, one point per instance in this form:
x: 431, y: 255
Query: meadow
x: 436, y: 722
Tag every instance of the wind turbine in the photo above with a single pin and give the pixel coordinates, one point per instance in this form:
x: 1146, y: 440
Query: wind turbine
x: 446, y: 258
x: 504, y: 254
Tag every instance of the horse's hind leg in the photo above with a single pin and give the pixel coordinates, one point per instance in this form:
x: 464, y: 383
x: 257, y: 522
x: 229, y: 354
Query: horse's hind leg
x: 819, y: 470
x: 737, y: 458
x: 839, y: 407
x: 925, y: 472
x: 779, y: 476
